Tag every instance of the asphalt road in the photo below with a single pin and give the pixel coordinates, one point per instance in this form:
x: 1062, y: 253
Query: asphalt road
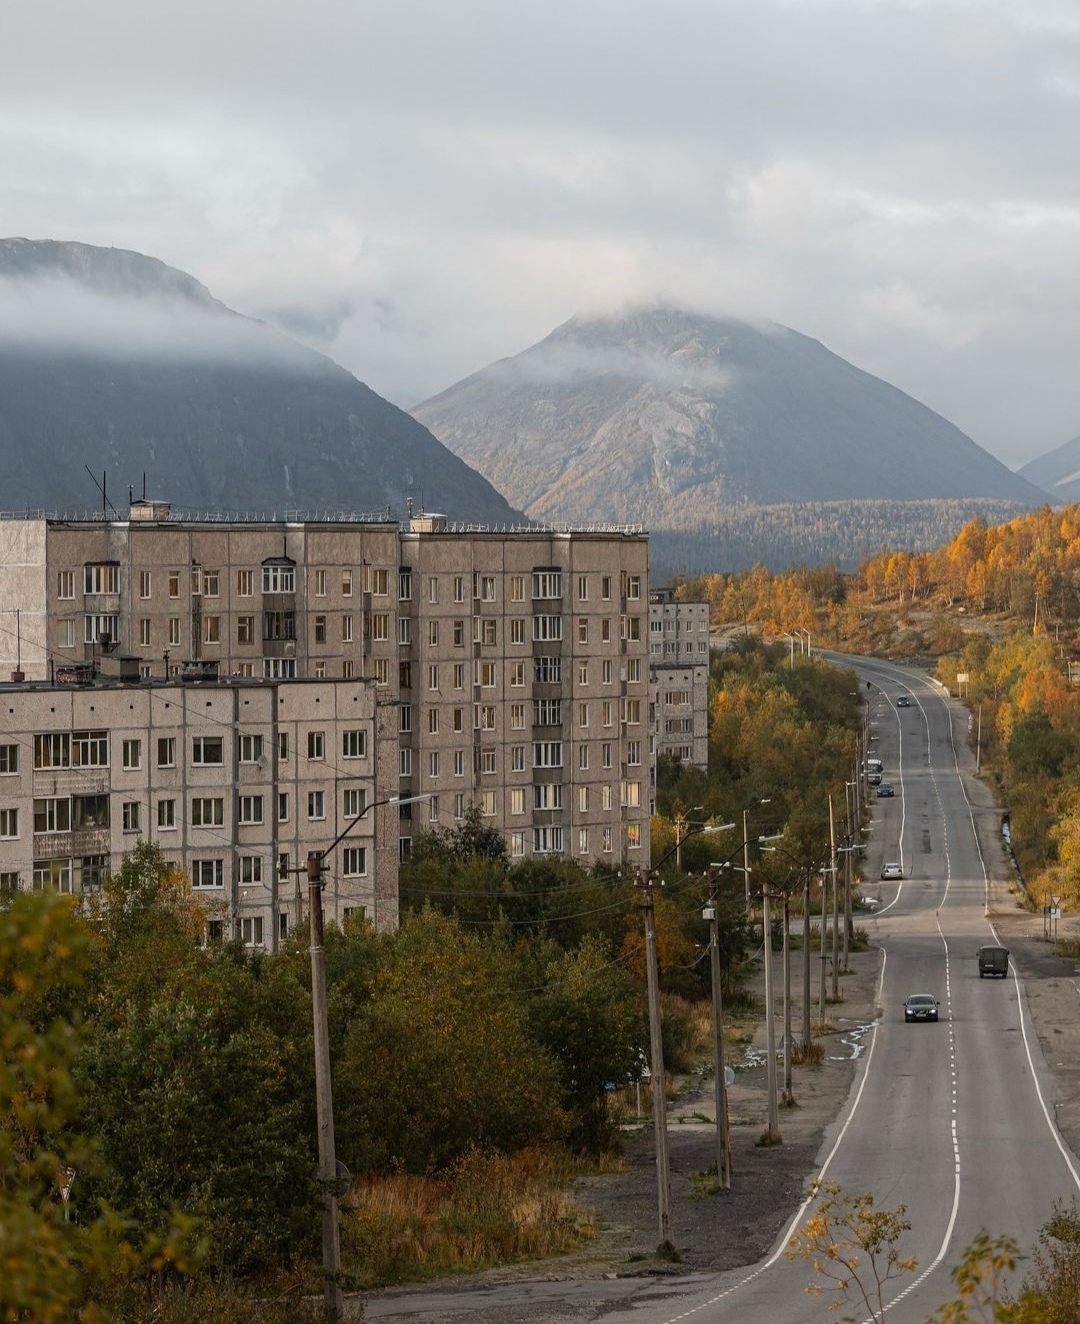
x: 950, y: 1119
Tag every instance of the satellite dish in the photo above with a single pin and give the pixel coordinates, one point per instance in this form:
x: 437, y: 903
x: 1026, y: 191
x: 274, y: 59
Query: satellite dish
x: 729, y: 1077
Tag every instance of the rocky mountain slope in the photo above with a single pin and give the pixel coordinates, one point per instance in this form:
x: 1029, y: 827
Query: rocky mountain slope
x: 113, y: 360
x: 676, y: 420
x: 1057, y: 472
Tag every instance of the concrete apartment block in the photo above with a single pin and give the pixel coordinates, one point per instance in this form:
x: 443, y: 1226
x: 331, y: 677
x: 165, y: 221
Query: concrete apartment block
x: 679, y: 663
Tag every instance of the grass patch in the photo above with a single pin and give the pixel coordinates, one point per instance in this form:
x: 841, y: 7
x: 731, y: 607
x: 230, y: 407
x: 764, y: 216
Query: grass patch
x: 1068, y: 949
x: 811, y: 1055
x: 768, y: 1139
x: 487, y: 1210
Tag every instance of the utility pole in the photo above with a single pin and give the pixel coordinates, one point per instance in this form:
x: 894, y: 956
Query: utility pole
x: 724, y: 1164
x: 789, y: 1097
x: 835, y: 913
x: 746, y: 859
x: 656, y: 1055
x: 773, y: 1127
x: 806, y: 1028
x: 324, y: 1103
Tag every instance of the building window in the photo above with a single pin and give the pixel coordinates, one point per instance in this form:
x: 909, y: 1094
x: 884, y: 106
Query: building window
x: 405, y: 584
x: 459, y: 763
x: 631, y: 627
x: 166, y: 752
x: 380, y: 581
x: 608, y: 711
x: 633, y: 752
x: 251, y: 748
x: 279, y: 668
x: 547, y: 840
x: 433, y: 676
x: 489, y: 760
x: 517, y: 588
x: 605, y: 750
x: 208, y: 750
x: 547, y: 628
x: 283, y: 807
x: 316, y: 745
x: 52, y: 814
x: 347, y: 629
x: 547, y: 584
x: 433, y: 763
x: 583, y: 715
x: 207, y: 873
x: 404, y: 717
x: 583, y: 673
x: 583, y: 630
x: 547, y: 753
x: 459, y: 588
x: 101, y: 629
x: 353, y: 801
x: 459, y: 675
x: 211, y: 584
x: 380, y: 627
x: 583, y: 588
x: 632, y: 712
x: 9, y: 824
x: 547, y: 795
x: 251, y: 930
x: 131, y: 816
x: 433, y: 721
x: 583, y: 841
x: 547, y: 670
x: 605, y: 844
x: 174, y: 631
x: 245, y: 583
x: 517, y: 630
x: 631, y: 795
x: 251, y: 809
x: 484, y: 675
x: 517, y: 800
x: 316, y: 805
x: 347, y: 670
x: 633, y: 669
x: 207, y: 811
x: 279, y: 625
x: 484, y: 587
x: 517, y: 844
x: 404, y: 630
x: 52, y: 751
x: 433, y: 634
x: 583, y: 758
x: 404, y: 762
x: 547, y: 712
x: 517, y: 674
x: 251, y: 871
x: 346, y: 583
x: 517, y: 717
x: 279, y: 579
x: 489, y: 803
x: 166, y: 815
x: 211, y: 629
x: 174, y: 583
x: 517, y: 758
x: 65, y: 634
x: 9, y: 760
x: 101, y: 579
x: 459, y: 634
x: 144, y: 584
x: 320, y: 629
x: 633, y: 836
x: 354, y: 861
x: 65, y: 584
x: 433, y: 589
x: 382, y: 671
x: 583, y: 799
x: 90, y: 749
x: 484, y: 716
x: 633, y: 587
x: 605, y: 587
x: 353, y: 744
x: 9, y: 881
x: 605, y: 630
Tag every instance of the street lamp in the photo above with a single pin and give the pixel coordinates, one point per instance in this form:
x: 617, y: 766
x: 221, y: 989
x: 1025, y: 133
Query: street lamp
x: 324, y: 1100
x: 656, y: 1039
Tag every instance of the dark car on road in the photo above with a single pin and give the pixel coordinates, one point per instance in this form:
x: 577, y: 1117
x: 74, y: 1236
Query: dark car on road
x: 904, y: 701
x: 921, y: 1007
x: 885, y: 790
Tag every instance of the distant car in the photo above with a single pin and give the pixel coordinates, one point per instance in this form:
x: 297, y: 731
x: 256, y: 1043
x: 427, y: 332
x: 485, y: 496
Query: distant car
x: 921, y: 1007
x: 885, y: 790
x: 891, y: 870
x: 904, y: 701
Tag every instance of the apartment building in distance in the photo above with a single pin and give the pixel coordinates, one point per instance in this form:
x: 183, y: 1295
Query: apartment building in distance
x: 232, y: 779
x: 679, y: 668
x: 509, y: 667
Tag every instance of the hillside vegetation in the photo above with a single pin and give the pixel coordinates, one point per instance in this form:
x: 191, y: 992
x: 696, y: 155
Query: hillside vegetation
x: 999, y: 604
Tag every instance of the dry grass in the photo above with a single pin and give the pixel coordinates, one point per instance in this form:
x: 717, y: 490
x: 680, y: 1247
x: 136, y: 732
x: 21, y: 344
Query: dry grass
x: 488, y: 1210
x: 811, y: 1055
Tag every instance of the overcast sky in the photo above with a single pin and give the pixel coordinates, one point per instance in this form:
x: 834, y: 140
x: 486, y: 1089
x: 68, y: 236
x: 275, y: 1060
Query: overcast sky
x: 419, y: 187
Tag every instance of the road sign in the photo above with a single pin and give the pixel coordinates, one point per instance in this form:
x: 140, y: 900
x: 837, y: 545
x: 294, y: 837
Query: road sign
x: 1056, y: 900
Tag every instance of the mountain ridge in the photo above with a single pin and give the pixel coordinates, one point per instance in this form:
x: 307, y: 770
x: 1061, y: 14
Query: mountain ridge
x: 114, y: 360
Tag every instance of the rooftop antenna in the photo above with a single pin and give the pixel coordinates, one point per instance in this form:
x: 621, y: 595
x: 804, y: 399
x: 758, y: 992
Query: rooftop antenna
x: 409, y: 505
x: 105, y: 502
